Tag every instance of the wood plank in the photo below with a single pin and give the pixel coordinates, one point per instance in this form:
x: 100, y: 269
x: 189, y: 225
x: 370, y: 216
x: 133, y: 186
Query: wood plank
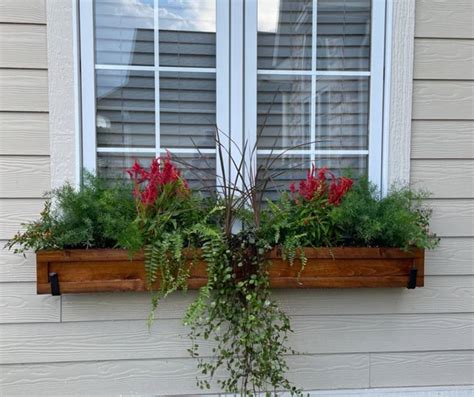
x: 23, y: 11
x: 23, y: 46
x: 442, y: 139
x: 127, y: 340
x: 452, y: 218
x: 20, y: 304
x: 444, y: 59
x: 24, y: 176
x: 24, y: 90
x: 453, y: 256
x: 108, y: 270
x: 444, y: 178
x: 422, y: 369
x: 175, y: 376
x: 16, y: 267
x: 444, y: 18
x: 24, y: 133
x: 14, y: 212
x: 440, y: 294
x: 447, y: 100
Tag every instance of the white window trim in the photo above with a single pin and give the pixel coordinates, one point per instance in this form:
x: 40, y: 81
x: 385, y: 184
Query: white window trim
x: 65, y: 122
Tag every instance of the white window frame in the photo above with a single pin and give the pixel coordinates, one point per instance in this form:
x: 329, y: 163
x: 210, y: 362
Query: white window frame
x: 236, y: 85
x: 376, y: 92
x: 89, y: 67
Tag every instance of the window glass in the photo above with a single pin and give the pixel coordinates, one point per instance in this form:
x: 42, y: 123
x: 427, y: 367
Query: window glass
x: 147, y: 100
x: 124, y: 32
x: 343, y: 28
x: 187, y: 31
x: 314, y: 91
x: 125, y: 103
x: 284, y: 34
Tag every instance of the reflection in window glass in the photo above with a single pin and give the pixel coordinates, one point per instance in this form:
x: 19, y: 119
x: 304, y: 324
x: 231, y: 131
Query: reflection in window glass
x: 188, y: 109
x: 125, y: 102
x: 293, y: 168
x: 187, y: 31
x: 202, y: 176
x: 343, y: 35
x: 124, y: 32
x: 283, y: 110
x: 284, y: 34
x: 342, y: 113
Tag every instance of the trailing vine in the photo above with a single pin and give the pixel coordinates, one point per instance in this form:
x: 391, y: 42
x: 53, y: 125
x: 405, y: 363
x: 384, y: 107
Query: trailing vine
x: 236, y: 312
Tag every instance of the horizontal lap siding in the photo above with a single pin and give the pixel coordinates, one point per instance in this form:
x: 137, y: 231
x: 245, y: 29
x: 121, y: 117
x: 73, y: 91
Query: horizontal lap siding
x: 99, y: 343
x: 443, y: 163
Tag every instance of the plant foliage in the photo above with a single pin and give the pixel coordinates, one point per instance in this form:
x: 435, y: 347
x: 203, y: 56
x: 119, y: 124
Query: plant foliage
x: 231, y: 231
x: 97, y: 215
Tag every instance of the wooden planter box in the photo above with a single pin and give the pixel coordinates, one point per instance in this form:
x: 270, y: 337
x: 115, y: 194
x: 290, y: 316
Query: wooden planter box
x: 112, y: 270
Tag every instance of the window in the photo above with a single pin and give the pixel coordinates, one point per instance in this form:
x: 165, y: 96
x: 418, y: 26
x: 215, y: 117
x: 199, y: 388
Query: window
x: 300, y: 76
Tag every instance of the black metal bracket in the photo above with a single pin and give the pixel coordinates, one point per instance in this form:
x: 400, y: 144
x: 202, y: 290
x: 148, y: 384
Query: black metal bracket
x: 54, y: 280
x: 412, y: 278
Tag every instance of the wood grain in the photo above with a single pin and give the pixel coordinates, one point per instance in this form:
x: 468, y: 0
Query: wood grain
x: 452, y: 218
x: 444, y: 18
x: 442, y: 178
x: 110, y: 340
x: 445, y: 100
x: 168, y: 376
x: 14, y: 212
x: 422, y: 369
x: 24, y: 177
x: 24, y: 133
x: 24, y: 90
x: 440, y: 294
x: 109, y: 270
x: 16, y: 268
x: 442, y: 139
x: 444, y: 59
x: 23, y: 46
x: 453, y: 256
x: 20, y: 304
x: 23, y: 11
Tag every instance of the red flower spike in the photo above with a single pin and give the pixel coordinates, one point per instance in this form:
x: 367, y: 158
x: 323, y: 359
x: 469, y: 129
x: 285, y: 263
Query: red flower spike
x: 316, y: 186
x: 149, y: 184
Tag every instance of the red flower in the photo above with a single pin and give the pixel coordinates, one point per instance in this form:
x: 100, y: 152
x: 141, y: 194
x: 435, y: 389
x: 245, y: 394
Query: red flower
x: 338, y: 188
x: 316, y: 186
x: 149, y: 184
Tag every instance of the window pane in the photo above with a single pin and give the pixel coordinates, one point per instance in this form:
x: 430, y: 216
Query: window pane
x: 342, y: 112
x: 188, y: 110
x: 283, y: 109
x: 200, y: 176
x: 124, y: 32
x: 284, y: 34
x: 125, y: 104
x: 187, y: 33
x: 292, y: 168
x: 281, y: 171
x: 343, y: 35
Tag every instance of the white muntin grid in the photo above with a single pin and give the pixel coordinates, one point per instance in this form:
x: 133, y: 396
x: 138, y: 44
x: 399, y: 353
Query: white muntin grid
x: 236, y: 84
x: 375, y: 74
x: 88, y: 67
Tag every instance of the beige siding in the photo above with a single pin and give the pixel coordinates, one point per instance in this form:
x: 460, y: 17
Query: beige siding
x: 442, y: 162
x: 23, y: 11
x: 444, y: 19
x: 23, y: 46
x: 442, y: 139
x: 99, y: 343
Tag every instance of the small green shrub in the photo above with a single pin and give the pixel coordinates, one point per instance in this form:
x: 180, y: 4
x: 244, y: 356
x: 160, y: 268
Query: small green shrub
x: 399, y: 219
x: 98, y: 215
